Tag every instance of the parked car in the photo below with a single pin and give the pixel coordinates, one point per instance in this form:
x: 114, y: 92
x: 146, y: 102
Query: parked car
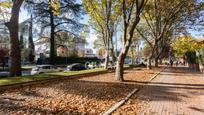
x: 127, y: 60
x: 91, y: 66
x: 166, y: 62
x: 44, y: 69
x: 140, y: 60
x: 4, y: 74
x: 75, y: 67
x: 110, y: 65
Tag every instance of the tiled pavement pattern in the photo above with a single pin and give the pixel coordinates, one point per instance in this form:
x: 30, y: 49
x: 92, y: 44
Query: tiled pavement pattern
x: 176, y: 91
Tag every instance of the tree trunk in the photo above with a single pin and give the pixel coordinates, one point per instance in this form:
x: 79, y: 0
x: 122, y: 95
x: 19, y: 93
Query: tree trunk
x: 31, y: 43
x: 128, y: 35
x: 160, y: 61
x: 120, y: 62
x: 132, y: 55
x: 156, y: 60
x: 149, y: 60
x: 113, y: 55
x: 119, y: 67
x: 128, y: 31
x: 52, y: 37
x: 3, y: 61
x: 106, y: 60
x: 15, y: 52
x: 149, y: 63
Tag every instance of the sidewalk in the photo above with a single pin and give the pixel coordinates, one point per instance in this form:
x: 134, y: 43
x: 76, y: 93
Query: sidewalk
x: 176, y: 91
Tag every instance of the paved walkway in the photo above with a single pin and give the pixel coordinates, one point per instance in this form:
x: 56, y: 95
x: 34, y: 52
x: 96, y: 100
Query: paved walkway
x: 177, y: 91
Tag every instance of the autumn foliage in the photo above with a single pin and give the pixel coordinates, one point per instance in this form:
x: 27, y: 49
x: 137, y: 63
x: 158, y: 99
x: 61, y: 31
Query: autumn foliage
x: 186, y: 43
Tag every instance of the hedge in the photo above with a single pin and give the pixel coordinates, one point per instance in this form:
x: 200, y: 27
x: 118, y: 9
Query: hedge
x: 70, y: 60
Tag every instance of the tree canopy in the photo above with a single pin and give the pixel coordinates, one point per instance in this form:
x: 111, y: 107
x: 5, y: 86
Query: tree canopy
x: 183, y: 44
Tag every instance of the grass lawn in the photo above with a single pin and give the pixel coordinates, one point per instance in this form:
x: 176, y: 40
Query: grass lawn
x: 14, y: 80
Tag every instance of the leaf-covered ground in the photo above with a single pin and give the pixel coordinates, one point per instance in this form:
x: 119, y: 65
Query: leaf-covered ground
x: 88, y: 95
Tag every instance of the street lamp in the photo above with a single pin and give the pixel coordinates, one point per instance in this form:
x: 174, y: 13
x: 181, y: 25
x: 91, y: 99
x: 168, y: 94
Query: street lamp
x: 67, y: 53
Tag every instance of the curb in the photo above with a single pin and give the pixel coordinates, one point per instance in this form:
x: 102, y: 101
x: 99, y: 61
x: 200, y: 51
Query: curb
x: 153, y: 77
x: 120, y: 103
x: 124, y: 100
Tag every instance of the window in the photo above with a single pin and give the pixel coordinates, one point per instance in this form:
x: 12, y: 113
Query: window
x: 46, y: 67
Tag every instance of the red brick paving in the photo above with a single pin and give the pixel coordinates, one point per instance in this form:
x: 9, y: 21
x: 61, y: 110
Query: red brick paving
x: 177, y: 91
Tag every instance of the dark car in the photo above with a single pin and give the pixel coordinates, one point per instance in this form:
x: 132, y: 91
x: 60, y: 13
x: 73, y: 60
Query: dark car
x: 75, y: 67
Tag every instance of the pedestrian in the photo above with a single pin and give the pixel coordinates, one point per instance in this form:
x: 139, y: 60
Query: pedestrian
x: 177, y: 62
x: 171, y: 62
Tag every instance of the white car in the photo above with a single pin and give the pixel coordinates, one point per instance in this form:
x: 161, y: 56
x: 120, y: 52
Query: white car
x: 44, y: 69
x: 89, y: 65
x: 110, y: 65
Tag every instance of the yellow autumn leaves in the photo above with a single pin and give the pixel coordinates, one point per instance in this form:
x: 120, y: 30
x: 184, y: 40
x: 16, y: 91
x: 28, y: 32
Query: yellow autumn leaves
x: 5, y: 4
x: 186, y: 43
x: 55, y: 4
x: 4, y: 10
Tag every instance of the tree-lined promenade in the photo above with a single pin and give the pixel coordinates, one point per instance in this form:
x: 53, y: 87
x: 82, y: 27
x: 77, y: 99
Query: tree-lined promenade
x: 153, y: 21
x: 133, y: 40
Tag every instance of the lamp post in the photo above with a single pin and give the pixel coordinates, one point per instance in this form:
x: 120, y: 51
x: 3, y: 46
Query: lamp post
x: 116, y: 45
x: 67, y: 52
